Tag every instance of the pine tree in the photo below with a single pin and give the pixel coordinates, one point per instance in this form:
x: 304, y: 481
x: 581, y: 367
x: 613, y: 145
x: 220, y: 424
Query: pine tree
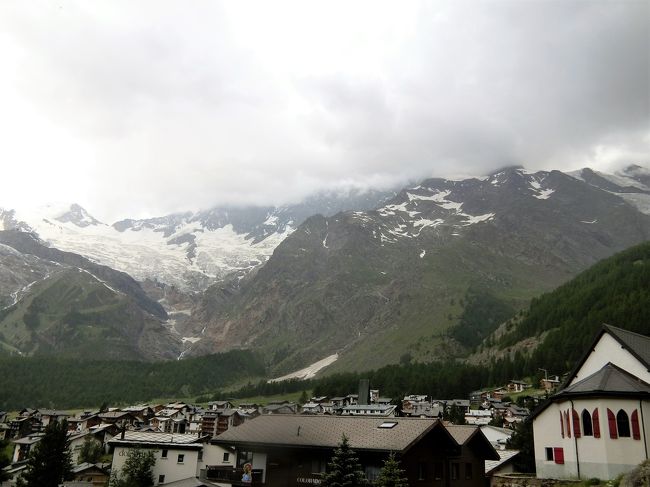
x: 137, y: 470
x: 391, y: 475
x: 50, y: 461
x: 344, y: 470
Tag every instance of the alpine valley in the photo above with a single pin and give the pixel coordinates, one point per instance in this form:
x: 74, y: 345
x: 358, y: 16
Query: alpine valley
x: 355, y: 280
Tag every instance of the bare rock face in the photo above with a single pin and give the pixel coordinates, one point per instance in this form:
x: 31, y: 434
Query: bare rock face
x: 373, y: 285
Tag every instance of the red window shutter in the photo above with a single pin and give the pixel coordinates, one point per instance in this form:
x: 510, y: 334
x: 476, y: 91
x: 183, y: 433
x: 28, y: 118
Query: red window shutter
x: 576, y: 423
x: 636, y: 432
x: 567, y: 424
x: 561, y: 424
x: 558, y: 455
x: 596, y: 423
x: 611, y: 419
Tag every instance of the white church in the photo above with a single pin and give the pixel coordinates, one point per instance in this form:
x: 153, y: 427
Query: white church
x: 595, y: 426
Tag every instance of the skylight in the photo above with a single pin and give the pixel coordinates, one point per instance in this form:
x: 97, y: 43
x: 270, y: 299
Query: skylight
x: 388, y: 424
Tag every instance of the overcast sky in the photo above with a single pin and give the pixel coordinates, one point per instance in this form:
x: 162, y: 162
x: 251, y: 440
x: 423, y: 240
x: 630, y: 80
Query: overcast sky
x: 145, y: 108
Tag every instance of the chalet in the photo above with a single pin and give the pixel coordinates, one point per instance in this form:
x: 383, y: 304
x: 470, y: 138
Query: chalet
x: 478, y: 416
x: 217, y: 405
x: 594, y: 426
x: 498, y: 437
x: 77, y: 424
x: 377, y: 410
x: 142, y: 412
x: 22, y: 446
x: 517, y: 386
x: 502, y: 466
x: 328, y: 407
x: 312, y: 408
x: 550, y: 383
x: 294, y: 450
x: 178, y: 457
x: 214, y: 423
x: 50, y: 415
x: 121, y: 418
x: 284, y: 407
x: 89, y: 474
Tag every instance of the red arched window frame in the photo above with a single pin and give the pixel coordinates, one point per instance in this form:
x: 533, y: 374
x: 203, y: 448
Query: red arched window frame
x: 596, y: 423
x: 611, y: 420
x: 576, y: 423
x: 636, y: 431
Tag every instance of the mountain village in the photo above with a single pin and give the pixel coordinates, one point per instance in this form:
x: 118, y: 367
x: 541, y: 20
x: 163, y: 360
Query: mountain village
x: 590, y: 427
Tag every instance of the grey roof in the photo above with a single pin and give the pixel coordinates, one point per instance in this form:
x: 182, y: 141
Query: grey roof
x: 610, y: 379
x: 465, y: 434
x: 504, y: 457
x: 157, y: 439
x: 327, y: 431
x: 638, y: 344
x: 461, y: 433
x: 85, y: 466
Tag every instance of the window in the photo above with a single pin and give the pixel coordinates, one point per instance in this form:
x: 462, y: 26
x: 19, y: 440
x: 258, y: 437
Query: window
x: 455, y: 471
x: 388, y: 424
x: 200, y: 456
x: 226, y: 457
x: 587, y: 429
x: 422, y: 471
x: 468, y: 471
x: 161, y: 479
x: 623, y: 424
x: 181, y: 458
x: 437, y: 471
x: 558, y: 455
x: 549, y: 454
x: 164, y: 454
x: 244, y: 457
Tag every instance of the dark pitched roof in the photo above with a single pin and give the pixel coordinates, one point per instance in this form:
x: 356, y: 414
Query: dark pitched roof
x: 473, y: 438
x: 638, y: 345
x: 327, y: 431
x: 609, y: 379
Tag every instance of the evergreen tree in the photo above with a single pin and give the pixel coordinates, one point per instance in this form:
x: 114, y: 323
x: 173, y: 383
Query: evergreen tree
x: 303, y: 397
x: 344, y: 470
x: 391, y: 475
x: 50, y: 461
x: 522, y: 440
x: 137, y: 470
x: 5, y: 460
x: 91, y: 450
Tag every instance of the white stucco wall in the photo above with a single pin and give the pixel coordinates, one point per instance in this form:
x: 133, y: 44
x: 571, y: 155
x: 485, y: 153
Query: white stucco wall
x: 604, y: 457
x: 169, y: 467
x: 608, y: 349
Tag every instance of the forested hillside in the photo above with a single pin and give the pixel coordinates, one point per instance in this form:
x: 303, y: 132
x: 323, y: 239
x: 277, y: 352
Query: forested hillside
x: 615, y: 291
x: 64, y: 383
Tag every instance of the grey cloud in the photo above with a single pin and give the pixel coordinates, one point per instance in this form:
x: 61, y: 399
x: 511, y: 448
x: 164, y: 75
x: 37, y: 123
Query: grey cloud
x: 182, y: 108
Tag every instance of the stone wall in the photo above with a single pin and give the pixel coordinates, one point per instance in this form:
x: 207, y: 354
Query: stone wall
x: 520, y: 480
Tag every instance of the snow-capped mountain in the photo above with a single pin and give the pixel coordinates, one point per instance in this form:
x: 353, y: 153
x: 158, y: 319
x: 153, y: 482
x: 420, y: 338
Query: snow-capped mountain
x: 188, y: 250
x: 374, y: 285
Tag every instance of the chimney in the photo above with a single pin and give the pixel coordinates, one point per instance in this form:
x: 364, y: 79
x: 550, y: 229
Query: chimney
x: 364, y: 392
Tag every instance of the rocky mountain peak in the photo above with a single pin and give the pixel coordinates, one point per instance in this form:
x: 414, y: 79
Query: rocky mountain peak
x: 78, y: 216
